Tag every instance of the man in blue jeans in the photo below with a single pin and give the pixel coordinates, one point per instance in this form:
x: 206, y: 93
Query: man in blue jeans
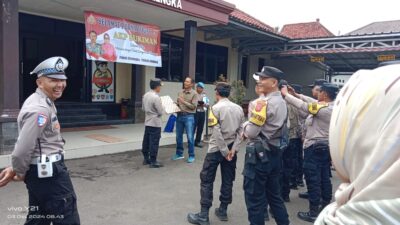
x: 187, y: 102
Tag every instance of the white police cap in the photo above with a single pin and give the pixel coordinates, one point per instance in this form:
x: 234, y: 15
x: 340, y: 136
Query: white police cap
x: 52, y: 67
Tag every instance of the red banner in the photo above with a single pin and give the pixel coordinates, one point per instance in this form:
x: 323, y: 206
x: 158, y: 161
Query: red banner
x: 114, y: 39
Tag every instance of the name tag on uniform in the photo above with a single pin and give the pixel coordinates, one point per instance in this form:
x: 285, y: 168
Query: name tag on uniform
x: 45, y: 169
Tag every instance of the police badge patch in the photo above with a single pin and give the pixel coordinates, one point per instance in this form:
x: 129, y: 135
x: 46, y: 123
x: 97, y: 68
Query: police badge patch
x: 41, y: 120
x: 59, y: 65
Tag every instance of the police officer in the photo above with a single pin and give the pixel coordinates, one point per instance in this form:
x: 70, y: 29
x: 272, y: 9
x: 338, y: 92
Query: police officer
x: 288, y: 162
x: 226, y: 119
x: 200, y: 116
x: 263, y: 160
x: 259, y: 92
x: 316, y: 149
x: 38, y: 156
x: 152, y: 132
x: 295, y: 142
x: 316, y: 87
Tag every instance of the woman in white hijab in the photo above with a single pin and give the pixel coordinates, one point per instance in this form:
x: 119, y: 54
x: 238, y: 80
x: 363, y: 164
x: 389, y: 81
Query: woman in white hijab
x: 365, y: 148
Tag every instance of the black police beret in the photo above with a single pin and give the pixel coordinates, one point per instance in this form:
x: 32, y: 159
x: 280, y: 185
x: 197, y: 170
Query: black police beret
x: 282, y: 83
x: 318, y: 82
x: 269, y: 71
x: 223, y: 88
x: 297, y: 87
x: 330, y: 88
x: 155, y: 82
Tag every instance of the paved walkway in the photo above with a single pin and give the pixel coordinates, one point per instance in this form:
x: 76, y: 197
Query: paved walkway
x: 82, y: 142
x: 117, y: 189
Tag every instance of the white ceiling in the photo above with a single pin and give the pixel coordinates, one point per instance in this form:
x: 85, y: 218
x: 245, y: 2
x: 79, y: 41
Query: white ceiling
x: 129, y: 9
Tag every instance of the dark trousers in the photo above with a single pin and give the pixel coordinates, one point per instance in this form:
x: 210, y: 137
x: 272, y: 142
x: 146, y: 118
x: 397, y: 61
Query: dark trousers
x: 297, y: 175
x: 51, y: 200
x: 151, y: 142
x: 261, y: 181
x: 316, y: 170
x: 199, y: 119
x: 207, y: 178
x: 289, y: 163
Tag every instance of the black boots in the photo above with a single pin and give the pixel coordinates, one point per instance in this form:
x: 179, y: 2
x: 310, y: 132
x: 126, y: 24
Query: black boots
x: 221, y: 212
x: 146, y: 162
x: 198, y: 144
x: 311, y: 215
x: 200, y: 218
x: 155, y: 164
x: 286, y: 198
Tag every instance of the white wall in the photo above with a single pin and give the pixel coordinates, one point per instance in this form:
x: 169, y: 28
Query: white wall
x: 340, y: 80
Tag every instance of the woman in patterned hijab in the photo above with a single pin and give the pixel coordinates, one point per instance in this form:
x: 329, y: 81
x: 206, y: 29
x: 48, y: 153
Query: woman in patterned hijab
x: 365, y: 148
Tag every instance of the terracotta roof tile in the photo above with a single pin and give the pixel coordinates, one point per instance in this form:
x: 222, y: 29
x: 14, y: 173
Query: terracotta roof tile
x: 305, y: 30
x: 384, y: 27
x: 249, y: 20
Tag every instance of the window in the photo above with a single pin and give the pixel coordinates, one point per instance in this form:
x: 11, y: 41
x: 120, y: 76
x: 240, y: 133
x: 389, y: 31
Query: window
x: 211, y: 60
x: 176, y: 60
x: 335, y: 80
x: 172, y: 59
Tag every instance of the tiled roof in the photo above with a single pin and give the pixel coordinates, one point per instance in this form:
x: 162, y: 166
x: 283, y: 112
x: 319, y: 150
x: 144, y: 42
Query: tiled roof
x: 305, y: 30
x: 333, y: 51
x: 243, y: 17
x: 378, y: 28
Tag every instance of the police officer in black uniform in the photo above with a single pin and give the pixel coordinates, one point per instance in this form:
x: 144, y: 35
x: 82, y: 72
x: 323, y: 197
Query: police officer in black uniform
x: 263, y: 159
x: 38, y: 156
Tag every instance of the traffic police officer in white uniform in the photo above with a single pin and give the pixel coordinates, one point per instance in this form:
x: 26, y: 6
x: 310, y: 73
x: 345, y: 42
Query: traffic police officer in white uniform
x: 38, y: 156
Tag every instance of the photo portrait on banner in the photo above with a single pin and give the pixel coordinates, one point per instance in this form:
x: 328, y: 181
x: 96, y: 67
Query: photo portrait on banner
x: 120, y: 40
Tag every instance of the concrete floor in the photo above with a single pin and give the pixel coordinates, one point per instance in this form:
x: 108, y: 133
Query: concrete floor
x: 118, y: 190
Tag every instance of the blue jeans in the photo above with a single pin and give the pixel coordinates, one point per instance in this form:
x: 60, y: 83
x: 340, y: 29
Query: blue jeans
x: 185, y: 122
